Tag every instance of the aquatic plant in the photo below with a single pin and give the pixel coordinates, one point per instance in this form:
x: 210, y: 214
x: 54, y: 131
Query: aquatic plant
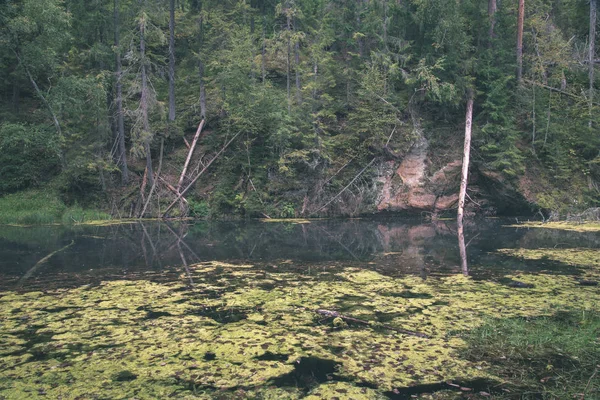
x: 243, y: 331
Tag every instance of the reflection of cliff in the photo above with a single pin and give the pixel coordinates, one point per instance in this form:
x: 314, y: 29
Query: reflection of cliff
x: 415, y: 249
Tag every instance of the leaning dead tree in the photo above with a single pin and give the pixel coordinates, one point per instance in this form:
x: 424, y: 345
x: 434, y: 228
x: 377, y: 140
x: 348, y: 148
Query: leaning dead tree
x: 463, y: 183
x: 182, y: 193
x: 466, y: 157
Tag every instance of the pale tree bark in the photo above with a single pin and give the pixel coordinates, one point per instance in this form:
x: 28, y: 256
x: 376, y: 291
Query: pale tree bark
x: 466, y: 157
x: 119, y: 102
x: 592, y: 39
x: 144, y: 100
x: 189, y: 156
x: 172, y: 61
x: 520, y: 20
x: 289, y: 51
x: 297, y: 68
x: 492, y: 7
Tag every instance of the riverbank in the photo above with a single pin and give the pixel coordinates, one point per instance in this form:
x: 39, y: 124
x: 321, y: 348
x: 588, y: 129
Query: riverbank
x: 42, y: 207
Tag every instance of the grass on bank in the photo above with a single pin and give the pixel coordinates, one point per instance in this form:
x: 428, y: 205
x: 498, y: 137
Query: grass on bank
x: 38, y: 207
x: 554, y: 357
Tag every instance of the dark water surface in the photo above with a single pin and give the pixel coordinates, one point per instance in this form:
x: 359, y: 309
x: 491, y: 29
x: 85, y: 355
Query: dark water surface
x: 392, y: 247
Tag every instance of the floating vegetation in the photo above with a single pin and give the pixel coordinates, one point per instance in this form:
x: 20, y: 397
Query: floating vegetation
x: 587, y: 259
x: 240, y: 331
x: 566, y: 226
x: 287, y: 220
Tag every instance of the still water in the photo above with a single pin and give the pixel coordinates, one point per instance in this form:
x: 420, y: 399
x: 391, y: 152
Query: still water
x: 391, y: 246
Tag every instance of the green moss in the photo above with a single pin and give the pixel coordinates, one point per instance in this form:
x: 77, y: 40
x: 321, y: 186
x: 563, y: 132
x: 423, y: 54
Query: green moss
x: 287, y: 220
x: 567, y: 226
x: 587, y: 259
x: 178, y: 341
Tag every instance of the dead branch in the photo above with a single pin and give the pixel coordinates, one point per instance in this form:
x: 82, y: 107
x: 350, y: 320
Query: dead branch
x: 188, y: 187
x: 162, y: 145
x: 335, y: 314
x: 189, y: 156
x: 171, y: 188
x: 346, y: 187
x: 41, y: 262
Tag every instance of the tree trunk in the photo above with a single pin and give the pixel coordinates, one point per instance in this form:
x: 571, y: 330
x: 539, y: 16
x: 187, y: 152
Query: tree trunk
x: 520, y: 20
x: 146, y: 136
x: 119, y: 103
x: 289, y: 51
x: 172, y: 61
x: 189, y: 156
x: 201, y: 70
x: 592, y: 39
x: 297, y: 69
x: 492, y: 7
x: 263, y: 54
x: 361, y: 47
x: 466, y: 156
x: 50, y: 110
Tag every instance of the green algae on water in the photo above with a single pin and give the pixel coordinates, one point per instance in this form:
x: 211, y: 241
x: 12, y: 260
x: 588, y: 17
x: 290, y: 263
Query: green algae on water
x: 567, y: 226
x: 243, y: 331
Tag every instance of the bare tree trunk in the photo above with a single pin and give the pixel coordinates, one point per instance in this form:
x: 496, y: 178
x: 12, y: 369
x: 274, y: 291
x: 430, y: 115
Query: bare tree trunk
x: 492, y: 7
x: 592, y: 39
x: 189, y: 186
x: 119, y: 102
x: 189, y: 156
x: 289, y: 51
x: 361, y: 47
x: 172, y: 61
x: 263, y: 54
x: 520, y: 19
x: 52, y: 114
x: 160, y: 160
x: 297, y: 69
x: 201, y: 70
x: 466, y: 157
x: 314, y: 98
x: 146, y: 136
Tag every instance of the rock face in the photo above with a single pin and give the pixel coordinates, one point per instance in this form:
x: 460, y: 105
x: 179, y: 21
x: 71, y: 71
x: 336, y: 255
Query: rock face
x: 408, y: 187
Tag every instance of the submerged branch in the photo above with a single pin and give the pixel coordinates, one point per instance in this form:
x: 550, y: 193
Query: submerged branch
x: 41, y: 262
x: 335, y: 314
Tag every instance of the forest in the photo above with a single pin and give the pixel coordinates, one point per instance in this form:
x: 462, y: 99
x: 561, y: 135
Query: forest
x: 295, y: 108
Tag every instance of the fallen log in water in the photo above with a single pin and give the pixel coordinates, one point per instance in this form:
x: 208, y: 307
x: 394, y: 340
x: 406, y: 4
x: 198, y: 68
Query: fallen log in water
x: 335, y: 314
x: 32, y: 270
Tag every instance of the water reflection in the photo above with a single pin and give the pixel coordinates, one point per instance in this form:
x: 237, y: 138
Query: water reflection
x: 390, y: 246
x: 462, y: 248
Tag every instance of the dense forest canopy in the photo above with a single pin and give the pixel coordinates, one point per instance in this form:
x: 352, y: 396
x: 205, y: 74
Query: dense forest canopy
x: 304, y: 101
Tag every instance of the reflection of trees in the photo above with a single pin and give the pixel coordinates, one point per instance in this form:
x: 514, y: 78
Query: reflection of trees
x: 388, y: 246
